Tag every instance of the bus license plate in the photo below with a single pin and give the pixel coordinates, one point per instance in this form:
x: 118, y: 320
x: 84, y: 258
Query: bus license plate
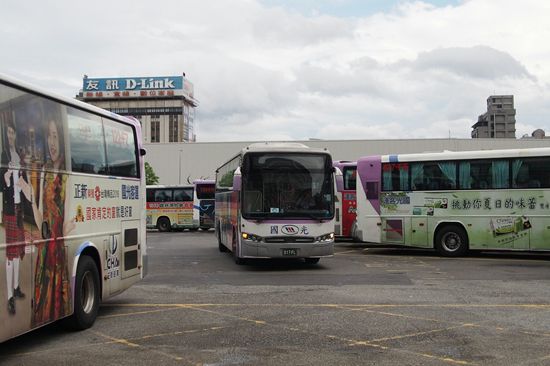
x: 290, y: 252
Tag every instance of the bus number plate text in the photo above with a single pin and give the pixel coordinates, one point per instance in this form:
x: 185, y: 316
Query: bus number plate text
x: 291, y: 252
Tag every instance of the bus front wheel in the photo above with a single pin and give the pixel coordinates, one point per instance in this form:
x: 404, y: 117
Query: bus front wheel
x: 86, y: 299
x: 221, y: 247
x: 163, y: 224
x: 451, y: 241
x: 238, y: 260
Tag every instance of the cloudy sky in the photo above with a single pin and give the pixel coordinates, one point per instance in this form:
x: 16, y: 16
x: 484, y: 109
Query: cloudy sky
x: 300, y: 69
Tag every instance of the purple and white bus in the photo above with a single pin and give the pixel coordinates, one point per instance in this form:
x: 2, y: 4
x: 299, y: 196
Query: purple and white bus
x: 276, y: 200
x: 456, y: 201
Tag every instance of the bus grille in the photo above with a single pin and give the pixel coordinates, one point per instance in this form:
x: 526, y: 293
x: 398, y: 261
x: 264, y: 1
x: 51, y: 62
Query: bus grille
x: 289, y: 239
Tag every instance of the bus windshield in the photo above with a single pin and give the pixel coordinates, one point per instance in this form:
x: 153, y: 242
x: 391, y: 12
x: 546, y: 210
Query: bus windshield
x: 289, y: 185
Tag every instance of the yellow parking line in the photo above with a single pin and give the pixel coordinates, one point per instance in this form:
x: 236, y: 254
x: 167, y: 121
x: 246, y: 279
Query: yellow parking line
x: 116, y: 340
x: 130, y: 344
x: 411, y: 335
x: 349, y: 341
x: 366, y: 308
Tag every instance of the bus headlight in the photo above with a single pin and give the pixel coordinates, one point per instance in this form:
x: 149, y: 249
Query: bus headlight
x: 325, y: 238
x: 251, y: 237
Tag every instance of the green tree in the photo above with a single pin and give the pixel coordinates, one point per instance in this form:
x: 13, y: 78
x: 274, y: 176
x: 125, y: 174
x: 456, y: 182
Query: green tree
x: 150, y: 176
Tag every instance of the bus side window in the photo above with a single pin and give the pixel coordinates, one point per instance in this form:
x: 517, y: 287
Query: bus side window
x: 163, y: 195
x: 86, y: 142
x: 183, y: 194
x: 121, y: 153
x: 150, y: 195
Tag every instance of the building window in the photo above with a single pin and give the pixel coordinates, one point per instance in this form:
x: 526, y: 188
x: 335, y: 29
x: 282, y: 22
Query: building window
x: 173, y: 128
x: 155, y: 128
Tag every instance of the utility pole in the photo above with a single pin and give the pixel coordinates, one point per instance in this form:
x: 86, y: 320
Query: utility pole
x: 179, y: 167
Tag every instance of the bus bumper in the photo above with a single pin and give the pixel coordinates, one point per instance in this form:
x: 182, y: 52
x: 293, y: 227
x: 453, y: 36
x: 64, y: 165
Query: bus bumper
x: 302, y: 250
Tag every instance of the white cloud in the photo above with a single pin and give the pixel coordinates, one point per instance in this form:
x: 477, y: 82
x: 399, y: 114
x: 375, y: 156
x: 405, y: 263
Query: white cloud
x: 268, y: 73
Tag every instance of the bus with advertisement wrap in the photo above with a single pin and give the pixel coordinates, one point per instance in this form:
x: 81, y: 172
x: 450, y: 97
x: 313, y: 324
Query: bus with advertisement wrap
x: 170, y: 207
x: 276, y: 200
x: 345, y: 200
x: 456, y: 201
x: 72, y: 223
x: 204, y: 203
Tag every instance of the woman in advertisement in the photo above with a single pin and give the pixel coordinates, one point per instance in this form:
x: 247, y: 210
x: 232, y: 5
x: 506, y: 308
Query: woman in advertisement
x: 12, y: 215
x: 51, y: 278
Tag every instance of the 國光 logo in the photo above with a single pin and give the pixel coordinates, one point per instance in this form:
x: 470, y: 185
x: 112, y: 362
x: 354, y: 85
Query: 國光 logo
x: 290, y: 229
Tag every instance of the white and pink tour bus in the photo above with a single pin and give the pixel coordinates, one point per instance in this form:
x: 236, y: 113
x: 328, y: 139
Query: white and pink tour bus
x: 276, y: 200
x: 72, y: 223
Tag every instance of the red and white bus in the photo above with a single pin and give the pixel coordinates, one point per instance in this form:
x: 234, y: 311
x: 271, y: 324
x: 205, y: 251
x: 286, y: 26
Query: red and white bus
x: 178, y: 207
x: 346, y: 203
x: 170, y: 207
x: 276, y: 200
x: 72, y: 230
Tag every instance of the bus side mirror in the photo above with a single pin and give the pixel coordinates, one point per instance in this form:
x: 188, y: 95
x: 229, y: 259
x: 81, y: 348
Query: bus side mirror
x: 142, y: 152
x: 237, y: 183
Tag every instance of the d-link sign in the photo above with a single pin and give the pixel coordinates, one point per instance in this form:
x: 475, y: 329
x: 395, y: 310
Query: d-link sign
x: 121, y: 84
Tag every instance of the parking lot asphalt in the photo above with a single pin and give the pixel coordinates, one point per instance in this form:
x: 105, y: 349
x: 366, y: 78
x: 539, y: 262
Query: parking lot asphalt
x: 364, y: 306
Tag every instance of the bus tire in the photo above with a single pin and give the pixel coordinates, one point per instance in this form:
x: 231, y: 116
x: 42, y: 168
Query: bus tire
x: 86, y: 295
x: 311, y: 260
x: 238, y: 260
x: 163, y: 224
x: 451, y: 241
x: 221, y: 247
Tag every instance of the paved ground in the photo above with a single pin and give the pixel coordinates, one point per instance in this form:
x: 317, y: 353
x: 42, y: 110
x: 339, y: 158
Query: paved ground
x: 363, y: 306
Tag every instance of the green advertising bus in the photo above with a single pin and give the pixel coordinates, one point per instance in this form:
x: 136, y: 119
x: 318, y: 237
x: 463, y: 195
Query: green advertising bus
x: 456, y: 201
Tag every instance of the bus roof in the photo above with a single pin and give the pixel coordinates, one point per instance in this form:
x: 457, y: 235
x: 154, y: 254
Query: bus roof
x: 204, y: 181
x: 343, y: 163
x: 169, y: 186
x: 10, y: 81
x: 460, y: 155
x: 275, y: 147
x: 282, y: 147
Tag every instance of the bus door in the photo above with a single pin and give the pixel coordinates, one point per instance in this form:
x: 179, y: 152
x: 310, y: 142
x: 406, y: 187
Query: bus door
x: 371, y: 176
x: 349, y: 199
x: 349, y: 209
x: 338, y: 189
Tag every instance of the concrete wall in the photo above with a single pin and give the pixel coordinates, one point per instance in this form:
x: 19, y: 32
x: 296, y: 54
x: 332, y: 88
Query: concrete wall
x: 175, y: 163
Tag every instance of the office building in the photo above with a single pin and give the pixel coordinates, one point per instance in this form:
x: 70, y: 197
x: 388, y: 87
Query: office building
x: 500, y: 119
x: 165, y: 105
